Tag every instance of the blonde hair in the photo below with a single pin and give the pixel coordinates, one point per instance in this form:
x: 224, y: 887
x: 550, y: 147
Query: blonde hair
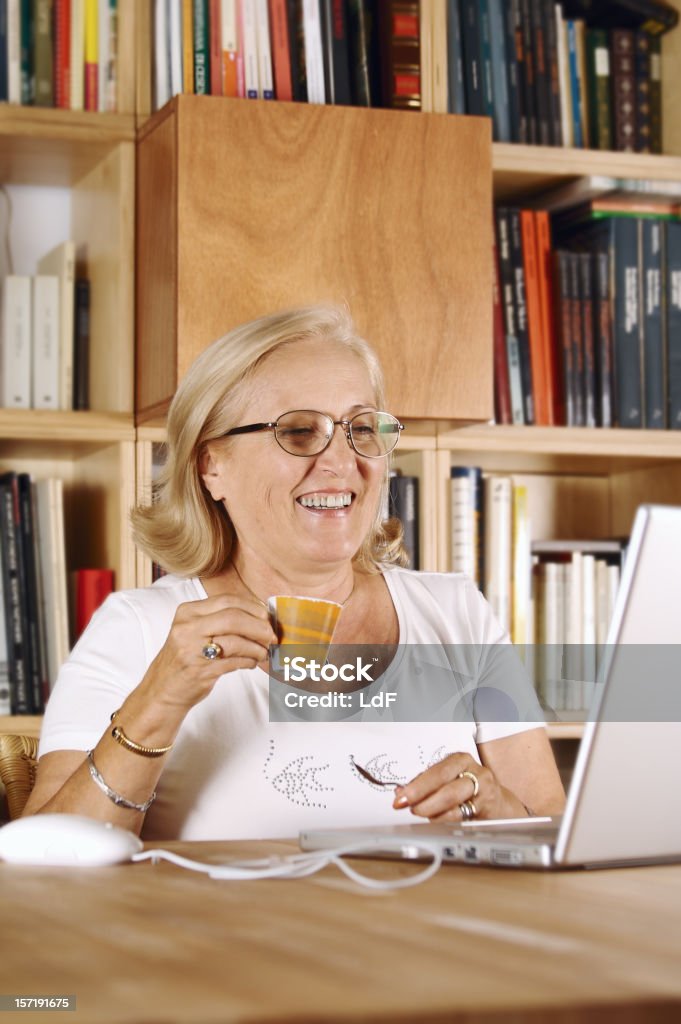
x: 184, y: 530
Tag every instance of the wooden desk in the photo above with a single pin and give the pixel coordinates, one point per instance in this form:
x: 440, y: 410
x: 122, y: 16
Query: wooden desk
x: 155, y: 944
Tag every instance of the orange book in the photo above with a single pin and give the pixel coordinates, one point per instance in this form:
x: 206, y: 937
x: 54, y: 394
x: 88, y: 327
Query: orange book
x: 534, y: 317
x: 215, y: 36
x: 545, y: 272
x: 187, y: 46
x: 91, y: 587
x: 230, y: 49
x: 281, y: 54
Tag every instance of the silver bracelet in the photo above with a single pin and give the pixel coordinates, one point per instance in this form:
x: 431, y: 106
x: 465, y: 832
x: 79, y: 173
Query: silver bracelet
x: 115, y: 797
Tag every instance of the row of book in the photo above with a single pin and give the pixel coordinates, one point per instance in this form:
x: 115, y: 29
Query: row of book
x: 587, y: 318
x: 555, y: 598
x: 37, y: 620
x: 45, y: 335
x: 59, y: 53
x: 403, y: 504
x: 542, y: 73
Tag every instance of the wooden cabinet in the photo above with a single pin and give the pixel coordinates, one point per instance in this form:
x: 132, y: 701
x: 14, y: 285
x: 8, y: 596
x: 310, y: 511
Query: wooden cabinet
x: 249, y: 207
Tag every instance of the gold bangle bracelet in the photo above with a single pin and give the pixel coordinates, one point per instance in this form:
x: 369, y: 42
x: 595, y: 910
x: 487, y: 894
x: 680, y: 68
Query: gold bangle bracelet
x: 136, y: 748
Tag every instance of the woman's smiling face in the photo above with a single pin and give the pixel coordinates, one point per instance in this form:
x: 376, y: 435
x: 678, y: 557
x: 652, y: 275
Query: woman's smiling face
x: 274, y: 498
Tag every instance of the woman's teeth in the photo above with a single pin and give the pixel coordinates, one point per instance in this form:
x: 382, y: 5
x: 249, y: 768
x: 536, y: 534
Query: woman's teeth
x: 326, y: 500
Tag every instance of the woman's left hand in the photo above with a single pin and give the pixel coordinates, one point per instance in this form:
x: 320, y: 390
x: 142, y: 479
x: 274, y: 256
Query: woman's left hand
x: 439, y: 793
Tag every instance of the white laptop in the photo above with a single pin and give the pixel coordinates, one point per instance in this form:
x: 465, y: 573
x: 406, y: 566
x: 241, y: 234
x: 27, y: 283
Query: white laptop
x: 624, y: 802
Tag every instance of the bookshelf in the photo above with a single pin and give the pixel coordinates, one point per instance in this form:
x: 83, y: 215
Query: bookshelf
x: 93, y: 156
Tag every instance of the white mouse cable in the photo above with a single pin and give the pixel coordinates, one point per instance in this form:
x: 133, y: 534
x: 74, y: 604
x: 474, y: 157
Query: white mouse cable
x: 302, y: 864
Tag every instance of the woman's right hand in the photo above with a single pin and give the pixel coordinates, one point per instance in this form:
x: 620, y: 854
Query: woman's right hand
x: 180, y: 676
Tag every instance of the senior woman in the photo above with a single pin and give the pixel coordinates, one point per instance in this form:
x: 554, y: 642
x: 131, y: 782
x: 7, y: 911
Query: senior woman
x: 159, y: 721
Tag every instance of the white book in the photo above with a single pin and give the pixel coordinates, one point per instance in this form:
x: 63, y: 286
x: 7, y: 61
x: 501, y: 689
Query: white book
x: 498, y: 496
x: 602, y: 608
x: 61, y: 261
x: 564, y: 85
x: 250, y: 47
x: 264, y: 47
x: 465, y: 525
x: 314, y: 54
x: 5, y: 698
x: 77, y: 55
x: 45, y: 333
x: 588, y: 627
x: 439, y: 56
x: 574, y: 660
x: 161, y: 55
x: 549, y: 587
x: 15, y: 334
x: 174, y: 19
x: 14, y: 51
x: 49, y: 497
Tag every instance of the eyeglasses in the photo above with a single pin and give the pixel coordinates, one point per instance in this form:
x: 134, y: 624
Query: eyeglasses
x: 305, y: 432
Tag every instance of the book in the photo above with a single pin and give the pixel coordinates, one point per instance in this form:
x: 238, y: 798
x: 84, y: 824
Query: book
x: 81, y: 345
x: 672, y: 318
x: 13, y: 51
x: 314, y: 54
x: 653, y: 16
x: 546, y: 303
x: 3, y: 77
x: 281, y: 55
x: 654, y: 349
x: 215, y: 45
x: 551, y: 44
x: 598, y: 89
x: 623, y: 80
x: 175, y: 48
x: 399, y: 47
x: 576, y: 83
x: 201, y: 39
x: 564, y: 86
x: 364, y: 59
x: 655, y: 95
x: 230, y: 43
x: 106, y: 42
x: 49, y: 498
x: 500, y: 78
x: 603, y: 341
x: 15, y: 335
x: 521, y: 318
x: 90, y: 588
x: 515, y: 56
x: 497, y: 512
x: 45, y: 342
x: 426, y: 54
x: 534, y: 318
x: 62, y: 54
x: 624, y: 235
x: 403, y: 503
x: 26, y: 52
x: 471, y: 34
x: 336, y: 50
x: 44, y: 54
x: 35, y: 645
x: 91, y: 56
x: 456, y: 96
x: 262, y: 32
x: 5, y: 696
x: 642, y: 92
x: 542, y: 75
x: 296, y: 37
x: 506, y: 279
x: 439, y: 57
x: 61, y: 262
x: 188, y: 46
x: 564, y: 327
x: 77, y: 60
x: 586, y: 308
x: 502, y: 387
x: 577, y: 340
x: 466, y: 521
x: 13, y: 583
x: 522, y: 632
x: 528, y: 70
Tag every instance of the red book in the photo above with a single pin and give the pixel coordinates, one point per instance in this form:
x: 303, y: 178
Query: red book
x: 534, y: 318
x: 62, y: 54
x: 281, y: 51
x: 502, y: 387
x: 215, y: 36
x: 546, y: 299
x: 91, y: 587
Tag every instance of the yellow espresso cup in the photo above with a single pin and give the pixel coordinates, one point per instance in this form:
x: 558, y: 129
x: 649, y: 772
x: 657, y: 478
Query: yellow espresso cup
x: 304, y: 621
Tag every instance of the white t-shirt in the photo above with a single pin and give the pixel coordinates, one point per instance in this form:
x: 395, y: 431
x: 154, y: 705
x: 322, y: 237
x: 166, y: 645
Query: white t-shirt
x: 232, y: 773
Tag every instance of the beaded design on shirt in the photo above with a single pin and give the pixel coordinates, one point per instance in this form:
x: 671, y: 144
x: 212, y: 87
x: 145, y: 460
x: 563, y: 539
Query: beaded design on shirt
x: 298, y: 781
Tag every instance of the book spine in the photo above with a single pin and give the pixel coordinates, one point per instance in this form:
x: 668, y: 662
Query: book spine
x: 215, y: 46
x: 44, y: 50
x: 230, y: 45
x: 37, y: 670
x: 15, y: 618
x: 92, y: 587
x: 466, y: 521
x: 578, y: 379
x: 566, y: 127
x: 175, y: 51
x: 13, y: 51
x: 45, y: 342
x: 472, y: 48
x: 62, y: 54
x: 545, y: 274
x: 498, y: 497
x: 336, y: 52
x: 623, y: 89
x: 627, y: 320
x: 296, y: 35
x: 486, y: 59
x: 81, y: 345
x: 564, y: 326
x: 77, y: 25
x: 512, y: 73
x: 508, y: 303
x: 400, y: 55
x: 551, y: 46
x: 404, y: 505
x: 521, y: 568
x: 654, y: 369
x: 281, y: 57
x: 3, y: 99
x: 500, y: 97
x: 588, y: 344
x: 363, y: 32
x: 515, y: 27
x: 27, y: 52
x: 16, y: 342
x: 575, y: 85
x: 502, y: 386
x: 522, y: 327
x: 598, y: 89
x: 672, y: 311
x: 580, y: 29
x: 426, y: 54
x: 529, y: 71
x: 542, y: 82
x: 188, y: 46
x: 314, y: 57
x: 264, y: 46
x: 655, y: 95
x: 91, y: 56
x: 439, y: 55
x: 201, y: 38
x: 456, y: 99
x: 5, y: 694
x: 534, y: 318
x: 604, y: 340
x: 642, y: 83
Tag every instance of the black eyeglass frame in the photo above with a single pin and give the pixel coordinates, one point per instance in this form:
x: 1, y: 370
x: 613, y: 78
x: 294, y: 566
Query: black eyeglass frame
x: 346, y: 424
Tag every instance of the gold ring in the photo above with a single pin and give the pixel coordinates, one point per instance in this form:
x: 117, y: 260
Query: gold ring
x: 468, y: 810
x: 474, y: 780
x: 211, y: 651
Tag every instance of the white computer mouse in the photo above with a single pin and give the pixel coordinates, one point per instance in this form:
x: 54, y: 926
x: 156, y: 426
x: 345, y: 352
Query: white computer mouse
x: 66, y: 839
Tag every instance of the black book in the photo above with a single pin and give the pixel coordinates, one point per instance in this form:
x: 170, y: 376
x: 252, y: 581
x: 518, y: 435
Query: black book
x: 624, y: 235
x: 551, y: 44
x: 471, y: 33
x: 672, y: 317
x: 577, y: 340
x: 296, y: 41
x: 603, y: 338
x: 528, y: 71
x: 586, y: 304
x: 507, y: 288
x: 542, y: 80
x: 456, y: 86
x: 364, y: 61
x: 654, y: 16
x: 654, y: 369
x: 15, y: 613
x: 403, y: 504
x: 35, y: 647
x: 81, y: 344
x: 336, y: 47
x: 516, y: 115
x: 564, y: 321
x: 642, y: 92
x: 520, y: 301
